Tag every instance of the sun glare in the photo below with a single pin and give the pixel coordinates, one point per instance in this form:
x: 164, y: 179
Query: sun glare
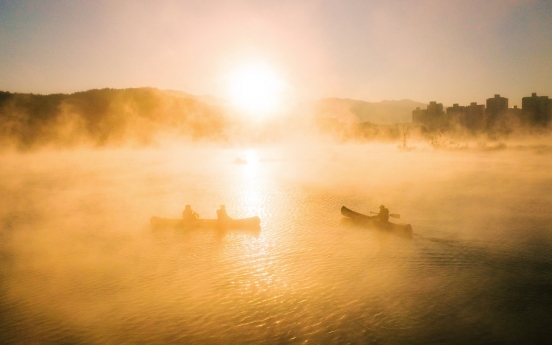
x: 256, y: 89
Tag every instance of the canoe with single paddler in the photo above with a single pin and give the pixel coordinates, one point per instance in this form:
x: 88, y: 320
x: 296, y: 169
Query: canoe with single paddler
x: 359, y: 219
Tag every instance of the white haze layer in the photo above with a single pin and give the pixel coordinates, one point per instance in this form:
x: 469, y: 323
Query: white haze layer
x: 81, y: 264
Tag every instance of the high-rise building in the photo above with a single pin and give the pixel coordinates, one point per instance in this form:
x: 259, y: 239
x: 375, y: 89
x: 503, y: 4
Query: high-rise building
x: 433, y: 116
x: 496, y: 108
x: 419, y: 115
x: 456, y: 113
x: 475, y: 116
x: 435, y: 109
x: 537, y: 110
x: 515, y: 111
x: 492, y: 116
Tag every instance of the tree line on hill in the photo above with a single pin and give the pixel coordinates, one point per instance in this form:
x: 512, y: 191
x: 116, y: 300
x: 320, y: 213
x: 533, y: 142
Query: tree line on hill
x: 146, y: 116
x: 104, y: 117
x: 143, y: 116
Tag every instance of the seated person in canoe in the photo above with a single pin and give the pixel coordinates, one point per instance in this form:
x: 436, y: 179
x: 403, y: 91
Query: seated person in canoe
x: 189, y: 215
x: 383, y: 214
x: 221, y: 213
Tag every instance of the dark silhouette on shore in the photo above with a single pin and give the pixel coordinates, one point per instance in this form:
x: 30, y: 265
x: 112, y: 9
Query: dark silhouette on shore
x: 104, y: 117
x: 494, y: 116
x: 148, y: 116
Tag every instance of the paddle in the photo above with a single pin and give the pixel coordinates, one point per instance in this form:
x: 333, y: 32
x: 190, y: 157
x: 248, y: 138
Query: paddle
x: 392, y: 215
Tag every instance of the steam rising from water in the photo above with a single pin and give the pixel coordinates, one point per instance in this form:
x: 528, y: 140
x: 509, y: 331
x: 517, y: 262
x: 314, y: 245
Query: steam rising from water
x: 80, y: 263
x: 146, y: 117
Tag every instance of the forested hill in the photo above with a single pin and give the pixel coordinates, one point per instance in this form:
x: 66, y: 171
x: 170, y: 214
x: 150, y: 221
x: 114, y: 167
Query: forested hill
x: 104, y: 117
x: 143, y: 116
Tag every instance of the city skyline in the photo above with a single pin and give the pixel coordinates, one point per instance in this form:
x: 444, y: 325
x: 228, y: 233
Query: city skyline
x: 495, y: 113
x: 371, y: 51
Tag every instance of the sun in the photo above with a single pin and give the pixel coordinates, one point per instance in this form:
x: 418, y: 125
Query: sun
x: 256, y: 89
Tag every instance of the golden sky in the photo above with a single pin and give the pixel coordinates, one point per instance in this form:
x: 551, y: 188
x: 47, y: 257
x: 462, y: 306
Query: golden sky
x: 448, y: 51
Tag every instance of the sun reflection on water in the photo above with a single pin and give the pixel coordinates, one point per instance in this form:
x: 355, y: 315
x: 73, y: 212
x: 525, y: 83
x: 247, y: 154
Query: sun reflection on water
x: 101, y: 274
x: 257, y: 252
x: 250, y: 198
x: 252, y: 167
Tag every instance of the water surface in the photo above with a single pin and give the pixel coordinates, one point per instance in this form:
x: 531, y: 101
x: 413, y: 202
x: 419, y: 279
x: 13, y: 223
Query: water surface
x: 80, y: 263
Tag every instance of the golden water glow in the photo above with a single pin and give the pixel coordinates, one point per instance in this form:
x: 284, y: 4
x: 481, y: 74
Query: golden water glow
x: 252, y: 159
x: 256, y: 89
x: 252, y: 200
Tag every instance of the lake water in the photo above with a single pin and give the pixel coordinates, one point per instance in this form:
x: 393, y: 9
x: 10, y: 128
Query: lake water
x: 81, y: 265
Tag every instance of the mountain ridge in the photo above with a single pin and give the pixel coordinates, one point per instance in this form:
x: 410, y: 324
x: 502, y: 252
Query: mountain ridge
x: 382, y: 112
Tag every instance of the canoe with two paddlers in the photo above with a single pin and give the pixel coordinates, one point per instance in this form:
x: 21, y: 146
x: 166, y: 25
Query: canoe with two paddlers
x: 359, y: 219
x: 252, y: 223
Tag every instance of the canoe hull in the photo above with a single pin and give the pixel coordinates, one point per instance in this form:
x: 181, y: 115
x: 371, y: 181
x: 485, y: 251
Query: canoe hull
x: 359, y: 219
x: 253, y: 223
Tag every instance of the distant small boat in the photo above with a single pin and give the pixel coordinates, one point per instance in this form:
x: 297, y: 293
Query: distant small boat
x: 403, y: 230
x: 253, y: 223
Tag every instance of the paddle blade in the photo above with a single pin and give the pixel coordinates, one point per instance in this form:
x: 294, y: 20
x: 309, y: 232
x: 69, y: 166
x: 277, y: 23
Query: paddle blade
x: 395, y: 215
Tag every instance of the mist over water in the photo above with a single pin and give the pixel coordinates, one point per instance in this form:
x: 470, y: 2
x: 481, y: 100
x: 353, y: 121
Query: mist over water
x: 81, y: 264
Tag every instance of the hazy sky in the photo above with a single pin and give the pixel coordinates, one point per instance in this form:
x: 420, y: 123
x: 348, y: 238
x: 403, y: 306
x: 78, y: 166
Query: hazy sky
x: 448, y: 51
